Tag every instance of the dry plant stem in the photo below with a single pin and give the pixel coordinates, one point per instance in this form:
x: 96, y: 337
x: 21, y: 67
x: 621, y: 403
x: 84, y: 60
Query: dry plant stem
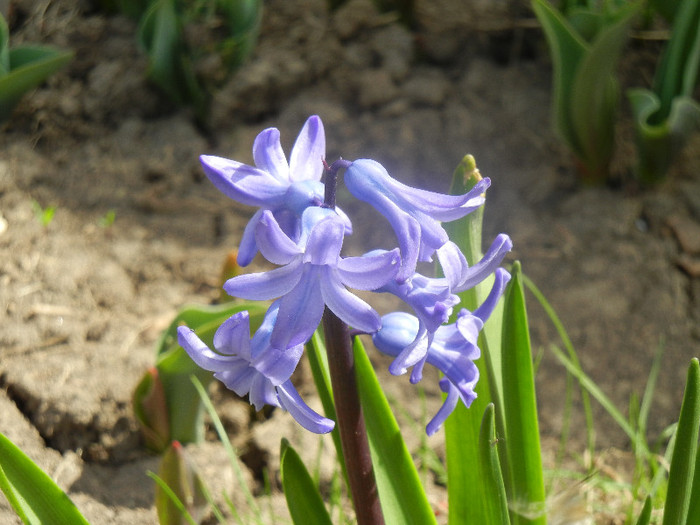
x: 350, y: 421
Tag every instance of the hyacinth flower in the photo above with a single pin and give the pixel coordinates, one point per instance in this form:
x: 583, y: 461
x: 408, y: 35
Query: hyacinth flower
x: 415, y: 215
x: 432, y: 300
x: 452, y: 351
x: 313, y: 276
x: 253, y: 367
x: 284, y: 188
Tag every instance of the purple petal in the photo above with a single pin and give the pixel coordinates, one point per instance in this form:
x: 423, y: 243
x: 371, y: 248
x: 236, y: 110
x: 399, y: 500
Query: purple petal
x: 446, y: 409
x: 265, y: 285
x: 199, y: 352
x: 278, y: 365
x: 444, y: 207
x: 361, y: 180
x: 248, y: 248
x: 292, y: 402
x: 272, y: 242
x: 243, y: 183
x: 452, y: 262
x: 411, y: 354
x: 233, y: 336
x: 369, y: 272
x: 300, y: 311
x: 501, y: 279
x: 238, y: 377
x: 305, y: 162
x: 347, y: 306
x: 269, y: 156
x: 488, y: 263
x: 262, y: 392
x: 325, y: 239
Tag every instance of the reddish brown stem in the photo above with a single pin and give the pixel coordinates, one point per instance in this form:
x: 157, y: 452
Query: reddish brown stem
x: 350, y: 421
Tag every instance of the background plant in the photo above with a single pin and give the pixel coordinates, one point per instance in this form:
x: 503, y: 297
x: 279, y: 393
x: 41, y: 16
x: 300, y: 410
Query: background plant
x: 24, y: 68
x: 666, y: 115
x: 586, y: 41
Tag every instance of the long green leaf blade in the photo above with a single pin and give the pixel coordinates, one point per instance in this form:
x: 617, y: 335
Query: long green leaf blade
x: 303, y: 499
x: 680, y: 478
x: 520, y: 409
x: 400, y: 491
x: 31, y: 492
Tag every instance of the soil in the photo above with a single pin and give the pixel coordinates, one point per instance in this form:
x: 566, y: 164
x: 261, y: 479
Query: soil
x: 84, y: 299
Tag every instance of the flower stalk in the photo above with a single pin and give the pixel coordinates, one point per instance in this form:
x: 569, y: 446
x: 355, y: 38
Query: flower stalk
x: 350, y: 420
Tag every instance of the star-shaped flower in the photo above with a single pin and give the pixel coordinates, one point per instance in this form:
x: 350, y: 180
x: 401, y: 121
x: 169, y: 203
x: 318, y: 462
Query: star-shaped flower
x: 286, y: 189
x: 313, y: 276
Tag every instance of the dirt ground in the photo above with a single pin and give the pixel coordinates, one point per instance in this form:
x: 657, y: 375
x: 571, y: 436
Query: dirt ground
x: 83, y: 302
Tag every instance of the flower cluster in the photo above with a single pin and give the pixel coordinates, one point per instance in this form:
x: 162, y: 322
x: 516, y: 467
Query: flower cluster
x: 296, y: 229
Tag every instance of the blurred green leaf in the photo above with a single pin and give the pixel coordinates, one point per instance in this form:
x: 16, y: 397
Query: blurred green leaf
x: 179, y: 475
x: 303, y: 498
x: 401, y: 494
x: 658, y: 144
x: 33, y: 495
x: 520, y: 409
x: 170, y: 68
x: 680, y: 478
x: 243, y: 20
x: 585, y: 88
x: 24, y: 68
x: 667, y: 116
x: 151, y: 411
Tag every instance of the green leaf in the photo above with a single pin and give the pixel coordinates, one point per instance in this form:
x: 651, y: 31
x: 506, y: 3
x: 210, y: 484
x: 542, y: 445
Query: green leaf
x: 520, y: 409
x: 33, y: 495
x: 4, y: 47
x: 645, y: 515
x: 303, y: 499
x: 659, y: 143
x: 243, y: 17
x: 401, y: 494
x: 680, y: 478
x: 29, y: 66
x: 585, y: 89
x: 184, y: 481
x: 466, y: 492
x: 677, y: 73
x: 170, y: 67
x: 495, y: 501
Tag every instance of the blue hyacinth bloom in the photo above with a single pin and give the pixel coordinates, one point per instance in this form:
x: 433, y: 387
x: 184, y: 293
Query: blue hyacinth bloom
x: 452, y: 350
x: 286, y: 189
x: 415, y: 215
x: 253, y: 367
x: 313, y: 276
